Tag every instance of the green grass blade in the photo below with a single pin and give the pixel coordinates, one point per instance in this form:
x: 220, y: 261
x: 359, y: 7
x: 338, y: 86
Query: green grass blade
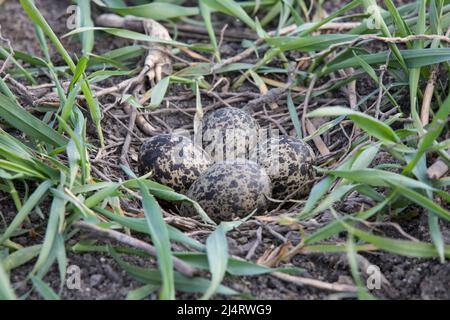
x: 140, y: 225
x: 19, y: 118
x: 231, y: 8
x: 434, y: 131
x: 159, y: 92
x: 44, y: 289
x: 161, y: 241
x: 20, y: 257
x: 38, y: 19
x: 6, y: 292
x: 35, y: 198
x: 205, y: 11
x: 421, y: 200
x: 294, y: 115
x: 141, y: 292
x: 57, y: 212
x: 85, y: 20
x: 217, y: 249
x: 155, y: 10
x: 402, y: 27
x: 184, y: 284
x: 369, y: 124
x: 401, y: 247
x: 336, y: 226
x: 309, y: 43
x: 363, y: 294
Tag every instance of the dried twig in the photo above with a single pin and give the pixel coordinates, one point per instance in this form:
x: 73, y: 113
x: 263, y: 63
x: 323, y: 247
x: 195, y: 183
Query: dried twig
x: 428, y: 95
x: 302, y: 281
x: 101, y: 233
x: 255, y: 245
x: 9, y: 58
x: 381, y: 86
x: 306, y: 104
x: 289, y: 29
x: 127, y: 142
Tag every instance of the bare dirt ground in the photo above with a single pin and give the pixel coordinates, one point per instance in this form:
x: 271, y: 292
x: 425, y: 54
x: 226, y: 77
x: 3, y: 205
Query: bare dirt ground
x: 102, y: 278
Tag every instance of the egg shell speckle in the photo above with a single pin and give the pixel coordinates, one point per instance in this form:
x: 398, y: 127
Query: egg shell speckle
x: 229, y: 133
x: 173, y: 160
x: 288, y: 162
x: 229, y: 189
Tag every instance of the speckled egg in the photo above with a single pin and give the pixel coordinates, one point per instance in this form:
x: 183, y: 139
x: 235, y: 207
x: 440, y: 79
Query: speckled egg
x: 229, y: 133
x: 173, y: 160
x: 230, y: 189
x: 288, y: 162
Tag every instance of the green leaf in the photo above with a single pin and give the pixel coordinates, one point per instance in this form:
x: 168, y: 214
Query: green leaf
x: 39, y: 20
x: 434, y: 131
x: 141, y: 293
x: 309, y: 28
x: 231, y: 8
x: 217, y: 250
x: 20, y: 257
x: 44, y: 289
x: 363, y: 294
x: 309, y: 43
x: 401, y: 247
x: 317, y: 192
x: 19, y: 118
x: 127, y: 34
x: 140, y: 225
x: 155, y: 10
x: 160, y: 238
x: 4, y: 53
x: 79, y: 71
x: 379, y: 178
x: 294, y: 115
x: 421, y: 200
x: 159, y: 91
x: 369, y: 124
x: 367, y: 68
x: 35, y: 198
x: 235, y: 267
x: 6, y: 292
x: 57, y: 213
x: 414, y: 58
x: 402, y: 27
x: 205, y: 11
x: 153, y: 277
x: 85, y: 20
x: 336, y: 226
x: 375, y: 13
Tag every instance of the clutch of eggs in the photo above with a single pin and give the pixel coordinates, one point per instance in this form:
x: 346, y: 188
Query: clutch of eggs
x: 218, y: 177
